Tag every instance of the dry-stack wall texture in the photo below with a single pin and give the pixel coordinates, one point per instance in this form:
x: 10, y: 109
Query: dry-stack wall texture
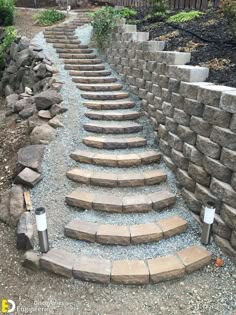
x: 194, y: 121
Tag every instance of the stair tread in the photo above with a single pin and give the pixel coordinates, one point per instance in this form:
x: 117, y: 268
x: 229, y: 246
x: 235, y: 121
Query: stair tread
x: 106, y: 142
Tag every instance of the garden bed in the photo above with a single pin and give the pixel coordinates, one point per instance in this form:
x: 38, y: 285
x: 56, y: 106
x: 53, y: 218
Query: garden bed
x: 212, y: 26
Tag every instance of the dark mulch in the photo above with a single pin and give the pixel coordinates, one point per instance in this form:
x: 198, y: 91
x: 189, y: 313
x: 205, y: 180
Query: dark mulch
x: 212, y: 26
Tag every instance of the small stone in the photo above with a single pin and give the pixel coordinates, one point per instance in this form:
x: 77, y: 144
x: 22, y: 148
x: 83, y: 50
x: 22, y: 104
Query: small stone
x: 42, y: 133
x: 55, y: 122
x: 28, y: 177
x: 31, y: 156
x: 57, y: 109
x: 45, y: 114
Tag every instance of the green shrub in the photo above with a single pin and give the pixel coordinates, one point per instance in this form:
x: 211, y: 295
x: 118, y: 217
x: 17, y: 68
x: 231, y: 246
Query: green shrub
x: 127, y: 12
x: 7, y: 9
x: 184, y: 16
x: 229, y: 10
x: 9, y: 36
x: 49, y: 17
x: 158, y: 6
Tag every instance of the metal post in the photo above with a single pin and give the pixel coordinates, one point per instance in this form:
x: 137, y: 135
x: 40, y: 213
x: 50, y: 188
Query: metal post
x: 41, y: 222
x: 209, y: 214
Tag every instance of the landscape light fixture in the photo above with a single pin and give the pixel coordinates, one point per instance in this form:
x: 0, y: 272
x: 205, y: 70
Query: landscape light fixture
x: 41, y: 222
x: 209, y: 215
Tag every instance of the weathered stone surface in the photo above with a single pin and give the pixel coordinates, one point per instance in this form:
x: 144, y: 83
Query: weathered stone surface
x: 80, y: 199
x: 181, y: 117
x: 228, y: 214
x: 55, y: 122
x: 204, y: 195
x: 108, y: 203
x: 25, y: 232
x: 216, y: 169
x: 145, y: 233
x: 193, y: 107
x: 110, y: 234
x: 194, y: 258
x: 138, y: 203
x: 42, y: 134
x: 216, y: 116
x: 186, y: 134
x: 4, y: 206
x: 171, y: 125
x: 233, y: 240
x: 223, y: 191
x: 172, y: 226
x: 92, y: 269
x: 24, y: 58
x: 58, y: 261
x: 162, y: 199
x: 185, y: 180
x: 179, y: 159
x: 228, y: 101
x: 11, y: 100
x: 46, y: 99
x: 199, y: 174
x: 45, y: 114
x: 81, y: 230
x: 191, y: 153
x: 228, y: 158
x: 200, y: 126
x: 28, y: 177
x: 31, y: 260
x: 129, y: 272
x: 233, y: 123
x: 224, y: 137
x: 165, y: 268
x: 211, y: 94
x: 207, y: 147
x: 192, y: 202
x: 163, y: 132
x: 175, y: 142
x: 57, y: 109
x: 16, y: 204
x: 220, y: 228
x: 177, y: 100
x: 225, y: 246
x: 31, y: 156
x: 233, y: 181
x: 167, y: 109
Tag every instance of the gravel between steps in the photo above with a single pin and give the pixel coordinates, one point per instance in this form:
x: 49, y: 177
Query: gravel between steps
x: 51, y: 191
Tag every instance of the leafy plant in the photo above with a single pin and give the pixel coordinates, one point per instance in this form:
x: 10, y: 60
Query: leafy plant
x: 48, y: 17
x: 184, y: 16
x: 229, y: 9
x: 158, y: 6
x: 9, y: 37
x: 127, y: 12
x: 7, y: 10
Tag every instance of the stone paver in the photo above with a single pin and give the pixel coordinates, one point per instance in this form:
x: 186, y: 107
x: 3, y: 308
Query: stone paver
x: 129, y: 272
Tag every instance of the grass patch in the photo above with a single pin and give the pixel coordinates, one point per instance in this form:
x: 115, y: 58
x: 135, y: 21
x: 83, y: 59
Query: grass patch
x: 49, y: 17
x: 183, y: 17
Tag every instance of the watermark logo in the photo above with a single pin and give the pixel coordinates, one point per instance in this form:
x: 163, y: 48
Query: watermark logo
x: 8, y: 306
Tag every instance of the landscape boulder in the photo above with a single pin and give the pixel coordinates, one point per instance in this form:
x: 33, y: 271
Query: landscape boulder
x: 31, y: 156
x: 46, y: 99
x: 42, y: 134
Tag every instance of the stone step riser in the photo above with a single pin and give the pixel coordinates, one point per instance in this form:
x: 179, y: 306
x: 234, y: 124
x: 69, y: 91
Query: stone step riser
x: 57, y: 33
x: 115, y: 117
x: 92, y: 73
x: 60, y: 37
x: 175, y: 266
x: 125, y: 234
x: 83, y: 61
x: 104, y: 97
x: 70, y: 46
x: 117, y: 180
x: 100, y: 143
x: 95, y: 80
x: 64, y: 41
x: 77, y: 56
x: 109, y: 106
x: 100, y: 88
x: 113, y: 160
x: 73, y: 51
x: 113, y: 129
x: 128, y: 204
x: 84, y: 67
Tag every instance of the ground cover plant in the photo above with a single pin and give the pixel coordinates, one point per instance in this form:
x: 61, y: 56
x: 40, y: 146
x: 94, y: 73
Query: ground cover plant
x: 49, y: 17
x: 7, y: 9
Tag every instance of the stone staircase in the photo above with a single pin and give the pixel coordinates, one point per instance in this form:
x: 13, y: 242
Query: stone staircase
x: 117, y: 157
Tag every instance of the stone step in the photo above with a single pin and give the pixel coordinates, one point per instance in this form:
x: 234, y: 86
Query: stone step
x: 73, y: 51
x: 128, y: 179
x: 66, y: 29
x: 125, y: 234
x: 92, y: 73
x: 113, y: 128
x: 59, y: 33
x: 110, y: 143
x: 64, y: 41
x: 83, y: 61
x: 71, y: 37
x: 97, y: 269
x: 87, y: 67
x: 111, y: 115
x: 129, y: 204
x: 77, y: 56
x: 116, y: 160
x: 95, y: 80
x: 70, y: 46
x: 109, y: 105
x: 100, y: 87
x: 105, y: 95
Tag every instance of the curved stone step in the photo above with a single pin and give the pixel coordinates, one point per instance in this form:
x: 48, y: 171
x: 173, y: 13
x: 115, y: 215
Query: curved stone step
x: 111, y: 115
x: 113, y: 128
x: 87, y: 67
x: 110, y: 143
x: 102, y: 270
x: 110, y: 203
x: 116, y: 95
x: 116, y: 160
x: 73, y: 51
x: 95, y: 79
x: 70, y: 46
x: 83, y: 61
x: 77, y: 56
x: 92, y: 73
x: 64, y: 41
x: 71, y: 37
x: 128, y: 179
x: 100, y: 87
x: 125, y: 234
x: 109, y: 104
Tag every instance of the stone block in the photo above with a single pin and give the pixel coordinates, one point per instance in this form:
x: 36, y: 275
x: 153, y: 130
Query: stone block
x: 191, y: 153
x: 217, y: 169
x: 186, y: 134
x: 211, y: 94
x: 216, y: 116
x: 129, y: 272
x: 199, y: 174
x: 175, y: 142
x: 224, y: 137
x: 163, y: 132
x: 185, y: 180
x: 233, y: 181
x: 177, y: 100
x: 163, y: 81
x: 225, y: 246
x: 200, y: 126
x: 188, y: 73
x: 204, y: 195
x: 171, y: 125
x: 160, y: 117
x: 31, y: 156
x: 148, y: 86
x: 190, y: 90
x: 233, y: 240
x: 110, y: 234
x: 150, y: 98
x: 169, y: 163
x: 228, y: 158
x: 181, y: 117
x: 28, y: 178
x: 165, y: 268
x: 81, y: 230
x: 223, y: 191
x: 228, y: 214
x: 173, y: 85
x: 233, y: 123
x: 192, y: 202
x: 145, y: 233
x: 167, y: 109
x: 158, y: 102
x: 228, y: 101
x: 156, y: 90
x: 165, y: 95
x: 152, y: 45
x: 151, y: 66
x: 193, y: 107
x: 172, y: 226
x: 208, y: 147
x: 179, y: 159
x: 220, y: 228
